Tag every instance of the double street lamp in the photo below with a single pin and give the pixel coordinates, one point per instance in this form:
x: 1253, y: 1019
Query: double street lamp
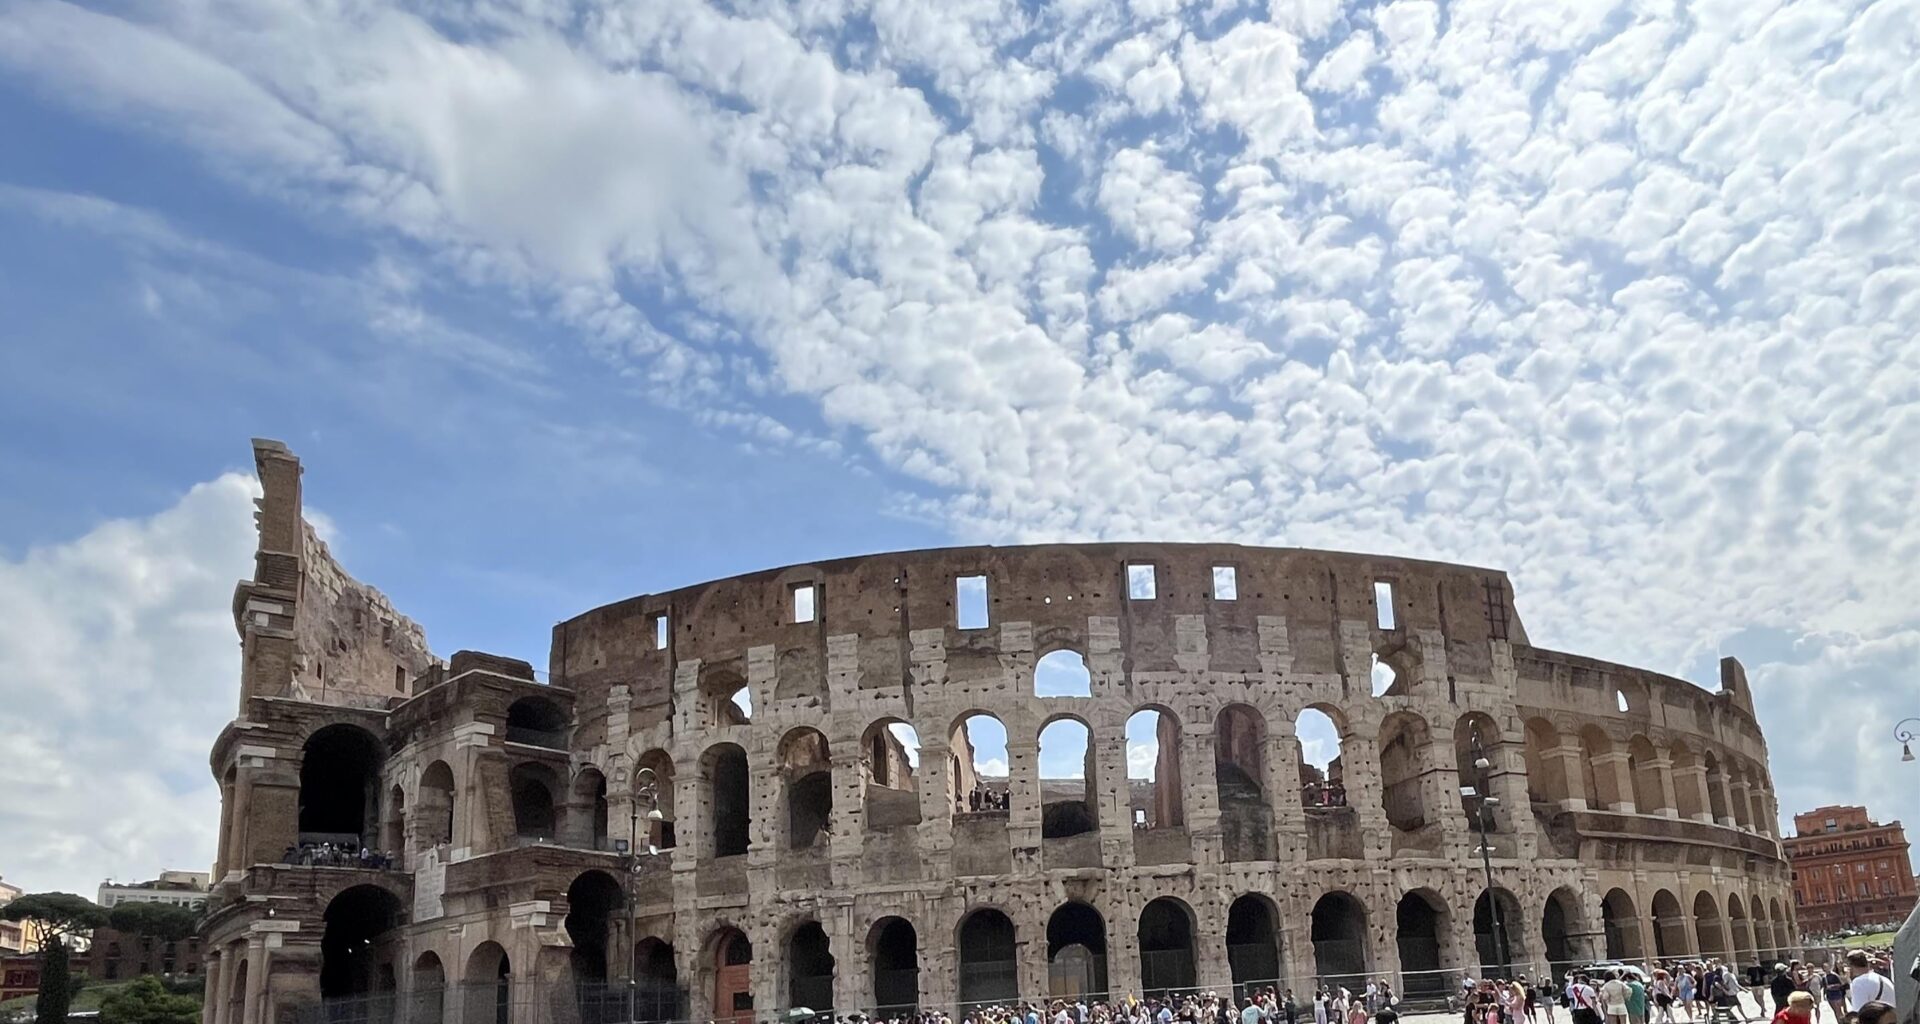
x: 643, y: 786
x: 1483, y: 790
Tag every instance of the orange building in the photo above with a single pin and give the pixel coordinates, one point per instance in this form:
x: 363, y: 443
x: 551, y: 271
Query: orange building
x: 1849, y: 871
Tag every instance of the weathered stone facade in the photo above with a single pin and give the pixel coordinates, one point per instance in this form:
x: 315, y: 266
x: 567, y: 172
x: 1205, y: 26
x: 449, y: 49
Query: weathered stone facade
x: 807, y: 859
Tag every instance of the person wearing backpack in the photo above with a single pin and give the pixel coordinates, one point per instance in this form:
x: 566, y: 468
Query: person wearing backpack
x: 1868, y: 986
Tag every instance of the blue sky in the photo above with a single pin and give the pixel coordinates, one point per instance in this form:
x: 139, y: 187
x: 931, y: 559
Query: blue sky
x: 562, y: 302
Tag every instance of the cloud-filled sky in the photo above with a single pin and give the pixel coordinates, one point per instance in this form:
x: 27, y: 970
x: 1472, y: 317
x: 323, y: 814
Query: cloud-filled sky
x: 564, y: 302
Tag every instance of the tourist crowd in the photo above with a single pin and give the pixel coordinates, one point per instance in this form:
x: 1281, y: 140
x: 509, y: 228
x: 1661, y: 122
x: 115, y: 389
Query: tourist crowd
x: 336, y: 855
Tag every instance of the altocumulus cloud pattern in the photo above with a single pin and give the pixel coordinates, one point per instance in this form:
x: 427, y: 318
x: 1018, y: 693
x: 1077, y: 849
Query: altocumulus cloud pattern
x: 1618, y: 296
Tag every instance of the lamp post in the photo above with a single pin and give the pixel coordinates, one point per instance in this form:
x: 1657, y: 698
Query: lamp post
x: 1483, y: 790
x: 641, y: 784
x: 1905, y: 737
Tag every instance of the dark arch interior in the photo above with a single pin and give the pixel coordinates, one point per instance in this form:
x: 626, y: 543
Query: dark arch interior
x: 656, y: 995
x: 896, y: 967
x: 1166, y: 947
x: 1340, y: 939
x: 532, y: 788
x: 1496, y: 940
x: 1616, y: 917
x: 809, y: 809
x: 1669, y: 928
x: 354, y: 956
x: 435, y: 809
x: 810, y: 968
x: 489, y: 966
x: 537, y: 721
x: 1253, y: 950
x: 1077, y: 950
x: 730, y: 803
x: 987, y: 969
x: 1418, y: 926
x: 1064, y: 818
x: 592, y: 901
x: 340, y: 785
x: 1554, y: 926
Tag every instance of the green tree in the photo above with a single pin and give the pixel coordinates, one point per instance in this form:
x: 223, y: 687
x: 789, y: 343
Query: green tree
x: 164, y: 921
x: 60, y: 915
x: 146, y: 1001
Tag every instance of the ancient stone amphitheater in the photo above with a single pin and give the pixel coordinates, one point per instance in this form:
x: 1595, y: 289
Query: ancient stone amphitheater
x: 943, y: 777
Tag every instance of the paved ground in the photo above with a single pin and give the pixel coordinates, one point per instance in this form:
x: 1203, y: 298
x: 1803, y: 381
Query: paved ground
x: 1560, y: 1016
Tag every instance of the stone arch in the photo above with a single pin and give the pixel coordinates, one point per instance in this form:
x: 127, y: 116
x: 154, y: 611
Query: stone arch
x: 1476, y: 738
x: 1339, y: 935
x: 1166, y: 947
x: 1717, y: 788
x: 1649, y: 795
x: 1669, y: 925
x: 1405, y: 746
x: 1630, y: 697
x: 359, y: 943
x: 893, y: 947
x: 1620, y: 927
x: 806, y: 775
x: 393, y: 834
x: 1740, y: 929
x: 1076, y: 950
x: 533, y: 787
x: 1686, y: 791
x: 977, y: 778
x: 537, y: 721
x: 427, y: 989
x: 727, y: 698
x: 1322, y: 785
x: 433, y: 807
x: 236, y: 994
x: 1547, y: 780
x: 660, y: 833
x: 1423, y: 928
x: 1708, y: 927
x: 1062, y: 673
x: 1599, y: 781
x: 1498, y: 932
x: 889, y: 774
x: 1067, y: 803
x: 985, y: 941
x: 1255, y: 948
x: 487, y: 992
x: 727, y: 966
x: 810, y: 967
x: 724, y: 776
x: 340, y: 786
x: 1240, y: 782
x: 1154, y: 788
x: 1563, y: 926
x: 1782, y: 935
x: 656, y: 986
x: 594, y: 900
x: 587, y: 809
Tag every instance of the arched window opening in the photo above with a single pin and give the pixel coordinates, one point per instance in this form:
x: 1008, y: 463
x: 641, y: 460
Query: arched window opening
x: 1253, y: 946
x: 1066, y: 779
x: 587, y: 811
x: 1717, y: 788
x: 1339, y: 934
x: 340, y: 787
x: 428, y: 989
x: 1546, y: 773
x: 1384, y: 678
x: 1498, y: 931
x: 1166, y: 948
x: 358, y: 943
x: 1404, y: 746
x: 1642, y: 763
x: 1240, y: 783
x: 1620, y: 701
x: 728, y: 700
x: 1686, y: 780
x: 1475, y: 739
x: 1077, y: 952
x: 660, y: 833
x: 1669, y: 926
x: 1560, y: 920
x: 436, y: 799
x: 593, y: 899
x: 978, y: 773
x: 656, y: 988
x: 1743, y: 947
x: 393, y: 838
x: 726, y: 770
x: 806, y: 766
x: 1620, y: 927
x: 1707, y: 925
x: 1420, y: 930
x: 537, y: 722
x: 988, y: 971
x: 1062, y: 674
x: 1153, y: 770
x: 533, y: 786
x: 896, y: 967
x: 732, y: 961
x: 891, y: 767
x: 1321, y: 781
x: 488, y: 969
x: 1597, y: 774
x: 810, y: 969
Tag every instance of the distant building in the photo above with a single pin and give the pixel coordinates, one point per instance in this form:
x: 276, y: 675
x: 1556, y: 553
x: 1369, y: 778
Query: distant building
x: 20, y: 973
x: 118, y: 956
x: 180, y: 888
x: 1849, y: 871
x: 13, y: 934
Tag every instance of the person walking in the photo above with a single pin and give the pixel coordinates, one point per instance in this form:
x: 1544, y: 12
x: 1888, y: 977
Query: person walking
x: 1636, y: 999
x: 1868, y: 985
x: 1614, y: 997
x: 1781, y: 988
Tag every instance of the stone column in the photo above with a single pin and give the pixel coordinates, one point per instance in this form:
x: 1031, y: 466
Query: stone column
x: 1115, y: 811
x: 1613, y: 765
x: 1283, y: 784
x: 849, y: 818
x: 1360, y: 775
x: 1662, y: 768
x: 1024, y: 800
x: 1742, y: 805
x: 1200, y: 800
x: 236, y: 858
x: 253, y: 1010
x: 1567, y: 757
x: 1719, y: 783
x: 1693, y: 778
x: 215, y: 1005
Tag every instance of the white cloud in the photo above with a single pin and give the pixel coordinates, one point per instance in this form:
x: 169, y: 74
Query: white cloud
x: 1149, y: 202
x: 118, y: 666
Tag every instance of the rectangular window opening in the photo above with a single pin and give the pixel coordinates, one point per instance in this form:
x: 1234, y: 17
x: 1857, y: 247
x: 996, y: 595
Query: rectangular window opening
x: 1140, y: 582
x: 803, y: 596
x: 1225, y: 586
x: 970, y: 602
x: 1383, y: 604
x: 660, y: 632
x: 400, y: 678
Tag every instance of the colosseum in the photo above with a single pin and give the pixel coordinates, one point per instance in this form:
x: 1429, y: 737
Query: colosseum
x: 947, y: 777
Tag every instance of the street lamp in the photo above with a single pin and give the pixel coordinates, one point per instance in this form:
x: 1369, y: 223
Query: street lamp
x: 643, y: 785
x: 1483, y: 790
x: 1906, y: 737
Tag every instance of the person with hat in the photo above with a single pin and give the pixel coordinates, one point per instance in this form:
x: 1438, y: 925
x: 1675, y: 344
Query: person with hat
x: 1782, y: 989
